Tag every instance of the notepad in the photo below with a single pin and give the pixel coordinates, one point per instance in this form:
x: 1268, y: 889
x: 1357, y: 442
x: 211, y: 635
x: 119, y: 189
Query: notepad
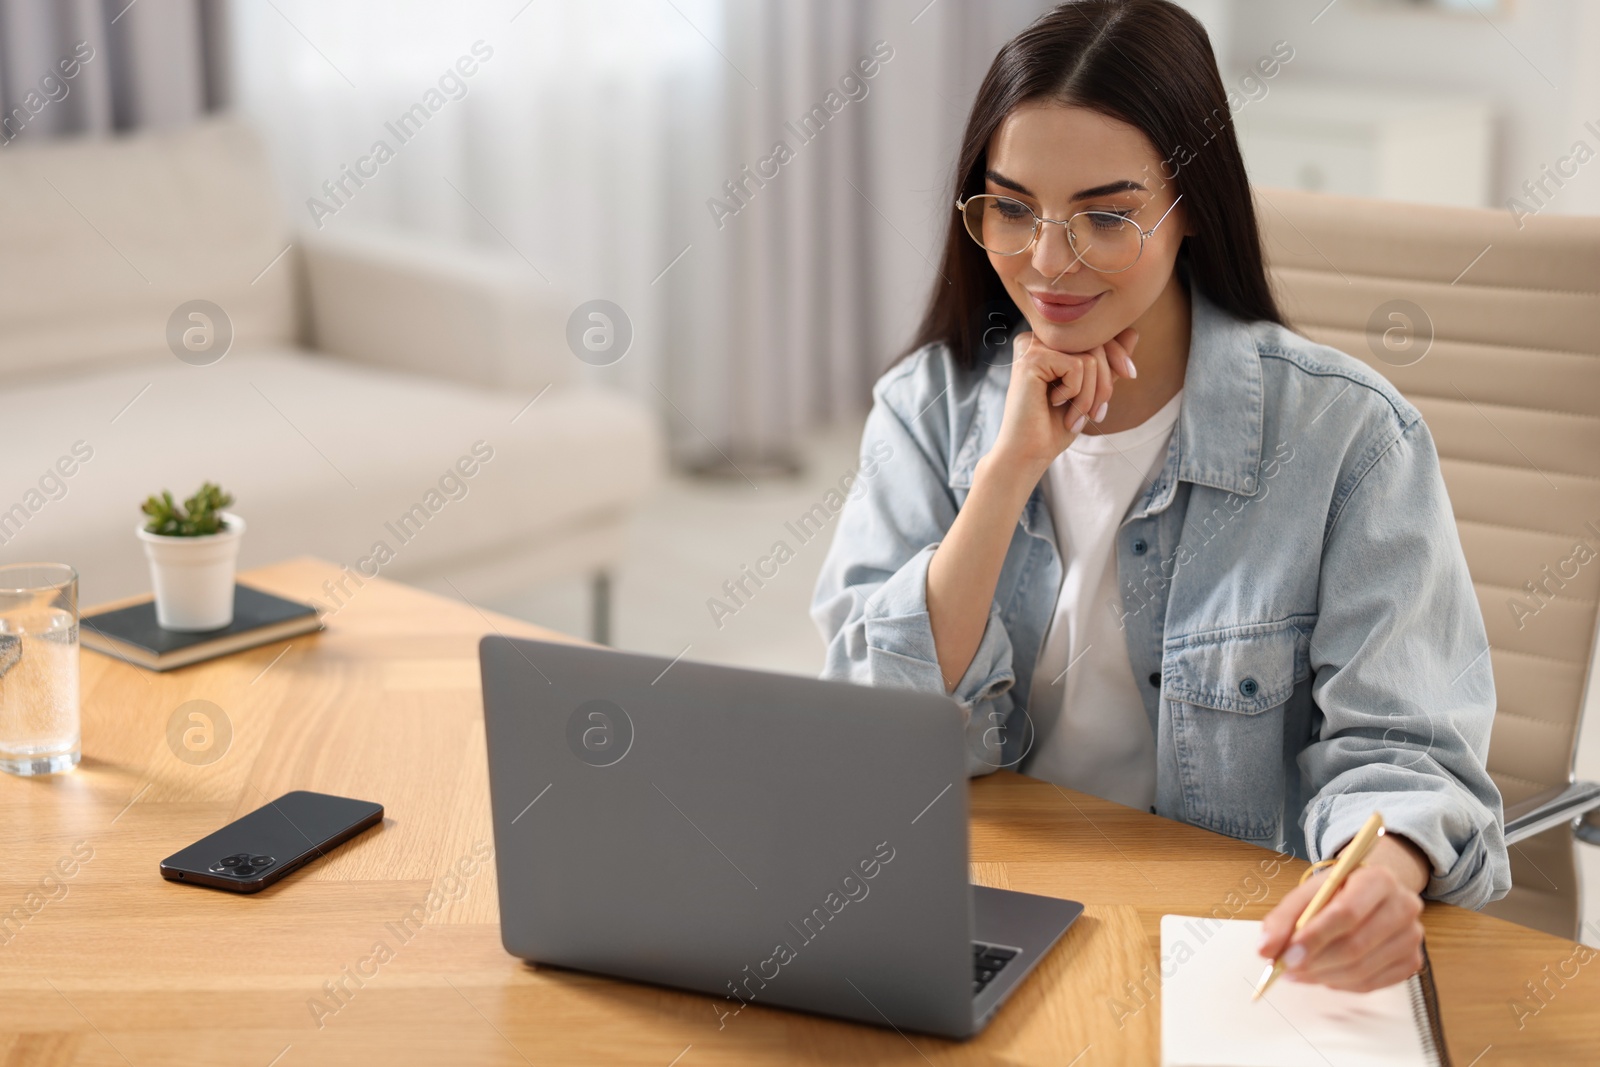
x: 1209, y: 968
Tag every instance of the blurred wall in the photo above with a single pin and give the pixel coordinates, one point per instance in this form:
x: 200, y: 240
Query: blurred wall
x: 1539, y: 62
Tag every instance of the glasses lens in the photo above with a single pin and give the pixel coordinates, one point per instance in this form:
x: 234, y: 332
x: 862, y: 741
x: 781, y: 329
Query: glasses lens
x: 998, y: 223
x: 1104, y: 240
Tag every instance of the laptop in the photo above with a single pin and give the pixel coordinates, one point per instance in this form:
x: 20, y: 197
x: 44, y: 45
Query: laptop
x: 765, y: 839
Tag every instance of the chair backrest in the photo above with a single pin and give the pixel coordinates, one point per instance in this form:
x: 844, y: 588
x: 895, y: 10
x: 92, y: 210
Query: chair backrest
x: 1490, y: 325
x: 106, y: 237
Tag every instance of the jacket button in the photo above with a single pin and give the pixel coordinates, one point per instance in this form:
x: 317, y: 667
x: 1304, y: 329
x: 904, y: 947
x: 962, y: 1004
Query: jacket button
x: 1139, y: 546
x: 1155, y: 678
x: 1248, y: 687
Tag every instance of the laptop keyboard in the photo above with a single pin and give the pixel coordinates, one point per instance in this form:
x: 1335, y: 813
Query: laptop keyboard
x: 987, y: 961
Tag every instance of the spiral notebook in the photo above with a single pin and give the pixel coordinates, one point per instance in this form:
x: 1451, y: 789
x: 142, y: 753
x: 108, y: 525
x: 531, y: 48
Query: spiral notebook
x: 1209, y: 968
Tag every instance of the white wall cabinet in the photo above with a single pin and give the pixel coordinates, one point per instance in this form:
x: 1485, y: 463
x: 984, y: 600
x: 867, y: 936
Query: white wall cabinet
x: 1391, y: 143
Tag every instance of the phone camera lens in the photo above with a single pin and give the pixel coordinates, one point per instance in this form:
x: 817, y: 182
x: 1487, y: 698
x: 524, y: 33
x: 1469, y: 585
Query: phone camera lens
x: 242, y: 864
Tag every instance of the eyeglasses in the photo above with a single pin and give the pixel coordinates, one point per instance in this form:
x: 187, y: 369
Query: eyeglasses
x: 1105, y: 241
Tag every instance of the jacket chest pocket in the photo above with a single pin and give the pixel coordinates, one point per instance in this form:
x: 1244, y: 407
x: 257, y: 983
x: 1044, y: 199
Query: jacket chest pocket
x: 1226, y: 695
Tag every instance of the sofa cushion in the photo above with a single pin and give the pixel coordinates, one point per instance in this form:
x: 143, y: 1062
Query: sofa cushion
x: 106, y: 237
x: 324, y: 457
x: 469, y: 313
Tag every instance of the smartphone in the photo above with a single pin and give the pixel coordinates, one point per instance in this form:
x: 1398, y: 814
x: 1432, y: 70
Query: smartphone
x: 256, y: 850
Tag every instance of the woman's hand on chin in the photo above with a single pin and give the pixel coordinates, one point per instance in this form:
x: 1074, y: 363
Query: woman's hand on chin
x: 1054, y: 394
x: 1369, y: 935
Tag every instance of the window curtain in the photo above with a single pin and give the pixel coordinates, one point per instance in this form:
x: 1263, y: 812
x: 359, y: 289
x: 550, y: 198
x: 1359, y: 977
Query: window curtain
x: 629, y: 150
x: 86, y: 66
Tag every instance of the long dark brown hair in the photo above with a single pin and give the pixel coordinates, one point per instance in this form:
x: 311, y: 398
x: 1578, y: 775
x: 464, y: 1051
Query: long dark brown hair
x: 1148, y: 63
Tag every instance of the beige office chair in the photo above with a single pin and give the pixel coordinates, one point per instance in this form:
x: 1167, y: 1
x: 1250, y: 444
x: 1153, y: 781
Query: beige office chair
x: 1490, y: 325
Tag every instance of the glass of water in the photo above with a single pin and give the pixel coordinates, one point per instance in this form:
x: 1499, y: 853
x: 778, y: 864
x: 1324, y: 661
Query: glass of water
x: 39, y: 731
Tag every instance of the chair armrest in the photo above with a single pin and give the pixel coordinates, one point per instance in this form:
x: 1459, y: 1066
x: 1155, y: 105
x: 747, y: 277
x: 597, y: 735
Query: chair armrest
x: 429, y: 307
x: 1552, y: 807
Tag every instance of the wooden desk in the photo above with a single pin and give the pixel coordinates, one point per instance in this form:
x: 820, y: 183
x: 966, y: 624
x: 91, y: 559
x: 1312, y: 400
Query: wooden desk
x: 113, y: 965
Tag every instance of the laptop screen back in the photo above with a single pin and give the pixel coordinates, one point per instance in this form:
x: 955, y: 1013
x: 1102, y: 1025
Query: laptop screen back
x: 767, y: 839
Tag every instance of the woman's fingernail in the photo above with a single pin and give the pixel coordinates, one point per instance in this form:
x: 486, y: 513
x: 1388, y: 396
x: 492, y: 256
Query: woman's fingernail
x: 1133, y: 372
x: 1295, y: 956
x: 1266, y: 935
x: 1100, y: 412
x: 1077, y: 426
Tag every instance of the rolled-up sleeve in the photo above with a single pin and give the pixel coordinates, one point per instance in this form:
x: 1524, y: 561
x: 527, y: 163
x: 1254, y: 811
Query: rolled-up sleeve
x: 1403, y: 680
x: 870, y: 603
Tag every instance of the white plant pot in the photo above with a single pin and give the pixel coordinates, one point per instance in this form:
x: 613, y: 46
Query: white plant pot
x: 193, y: 576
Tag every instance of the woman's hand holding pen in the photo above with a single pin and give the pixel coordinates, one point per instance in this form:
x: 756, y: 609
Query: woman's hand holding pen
x: 1370, y: 933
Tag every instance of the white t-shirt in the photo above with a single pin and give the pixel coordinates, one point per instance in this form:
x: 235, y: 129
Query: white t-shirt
x: 1091, y: 731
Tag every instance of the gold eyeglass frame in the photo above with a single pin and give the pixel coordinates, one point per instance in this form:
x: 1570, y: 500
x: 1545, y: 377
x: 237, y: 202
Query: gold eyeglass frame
x: 1039, y: 221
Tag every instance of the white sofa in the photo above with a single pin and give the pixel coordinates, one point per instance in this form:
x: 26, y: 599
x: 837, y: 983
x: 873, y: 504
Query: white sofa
x: 362, y: 369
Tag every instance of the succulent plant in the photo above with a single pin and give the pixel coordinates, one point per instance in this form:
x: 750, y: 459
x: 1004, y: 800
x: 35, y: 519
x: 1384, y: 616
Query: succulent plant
x: 201, y: 514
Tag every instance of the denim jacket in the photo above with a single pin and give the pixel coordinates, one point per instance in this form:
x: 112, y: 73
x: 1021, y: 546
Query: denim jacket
x: 1295, y: 601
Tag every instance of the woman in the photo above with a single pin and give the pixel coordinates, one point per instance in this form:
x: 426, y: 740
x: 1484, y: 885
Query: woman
x: 1165, y: 549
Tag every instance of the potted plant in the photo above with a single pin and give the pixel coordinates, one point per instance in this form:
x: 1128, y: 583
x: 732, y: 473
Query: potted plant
x: 192, y: 551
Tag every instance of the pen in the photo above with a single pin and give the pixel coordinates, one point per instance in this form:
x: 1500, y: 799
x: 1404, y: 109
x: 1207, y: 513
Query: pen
x: 1348, y: 861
